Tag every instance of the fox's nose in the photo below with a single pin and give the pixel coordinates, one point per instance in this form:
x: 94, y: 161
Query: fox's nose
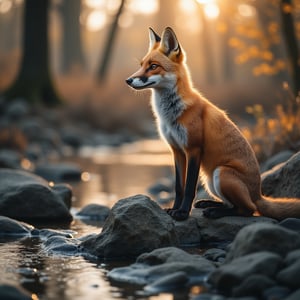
x: 129, y: 80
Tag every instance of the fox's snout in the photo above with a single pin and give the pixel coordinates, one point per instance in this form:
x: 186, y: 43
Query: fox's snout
x: 129, y: 81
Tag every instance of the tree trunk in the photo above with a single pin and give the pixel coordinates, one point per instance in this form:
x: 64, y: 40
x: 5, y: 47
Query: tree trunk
x: 71, y: 42
x: 33, y: 81
x: 101, y: 74
x: 289, y: 35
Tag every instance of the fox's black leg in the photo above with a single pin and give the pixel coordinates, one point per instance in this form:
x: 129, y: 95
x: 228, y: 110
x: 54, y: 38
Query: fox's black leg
x: 208, y: 203
x: 180, y: 174
x: 183, y: 211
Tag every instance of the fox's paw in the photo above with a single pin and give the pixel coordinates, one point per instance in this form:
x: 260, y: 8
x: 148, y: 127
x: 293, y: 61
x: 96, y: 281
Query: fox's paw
x: 208, y: 203
x: 178, y: 215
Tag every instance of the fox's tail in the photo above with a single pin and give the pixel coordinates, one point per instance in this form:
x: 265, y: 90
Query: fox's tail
x: 279, y: 208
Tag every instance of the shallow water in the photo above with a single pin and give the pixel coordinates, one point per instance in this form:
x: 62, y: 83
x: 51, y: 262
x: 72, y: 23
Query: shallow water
x: 111, y: 174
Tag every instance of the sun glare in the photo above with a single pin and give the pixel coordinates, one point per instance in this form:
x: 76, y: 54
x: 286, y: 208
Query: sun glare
x: 211, y: 10
x: 96, y: 20
x: 146, y: 7
x: 5, y: 6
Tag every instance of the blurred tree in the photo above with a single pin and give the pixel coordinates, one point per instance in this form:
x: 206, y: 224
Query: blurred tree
x: 102, y: 71
x: 289, y: 35
x: 71, y: 42
x: 34, y: 81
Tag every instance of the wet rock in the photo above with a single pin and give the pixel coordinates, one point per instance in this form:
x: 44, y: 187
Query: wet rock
x: 283, y: 180
x: 61, y: 245
x: 10, y: 227
x: 174, y: 281
x: 17, y: 109
x: 10, y: 159
x: 59, y: 172
x: 224, y: 229
x: 216, y: 255
x: 94, y: 212
x: 291, y: 223
x: 24, y: 196
x: 254, y: 285
x: 9, y: 292
x: 230, y: 275
x: 263, y: 237
x: 276, y: 293
x: 158, y: 265
x: 276, y: 159
x: 294, y: 296
x: 289, y: 276
x: 135, y: 225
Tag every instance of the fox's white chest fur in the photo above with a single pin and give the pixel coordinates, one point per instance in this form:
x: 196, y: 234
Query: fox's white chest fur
x: 168, y: 107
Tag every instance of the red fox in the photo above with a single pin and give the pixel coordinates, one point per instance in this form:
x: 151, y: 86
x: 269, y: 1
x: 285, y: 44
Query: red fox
x: 202, y: 138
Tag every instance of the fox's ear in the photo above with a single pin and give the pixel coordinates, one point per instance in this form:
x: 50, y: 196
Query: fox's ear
x: 153, y: 38
x: 170, y: 45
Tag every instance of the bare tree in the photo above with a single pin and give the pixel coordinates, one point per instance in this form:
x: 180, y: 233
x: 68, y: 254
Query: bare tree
x: 34, y: 81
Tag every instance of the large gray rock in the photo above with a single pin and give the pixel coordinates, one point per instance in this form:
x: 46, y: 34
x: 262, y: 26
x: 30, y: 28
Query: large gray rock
x: 232, y: 274
x: 283, y: 180
x: 135, y: 225
x: 24, y: 196
x: 263, y: 237
x: 10, y: 227
x: 223, y: 229
x: 163, y: 269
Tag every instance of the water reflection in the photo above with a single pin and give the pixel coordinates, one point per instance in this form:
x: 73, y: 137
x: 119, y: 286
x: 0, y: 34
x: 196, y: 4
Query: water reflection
x: 112, y: 174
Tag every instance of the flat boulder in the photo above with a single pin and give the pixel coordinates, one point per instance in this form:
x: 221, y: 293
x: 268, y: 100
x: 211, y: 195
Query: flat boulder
x: 27, y: 197
x: 135, y: 225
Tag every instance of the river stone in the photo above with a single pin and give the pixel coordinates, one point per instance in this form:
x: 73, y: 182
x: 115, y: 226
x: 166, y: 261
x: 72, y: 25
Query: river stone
x: 294, y: 295
x: 157, y: 266
x: 263, y: 237
x: 10, y: 227
x: 25, y: 196
x: 283, y: 180
x: 134, y: 226
x: 290, y: 276
x: 230, y: 275
x: 94, y: 211
x: 223, y: 229
x: 276, y: 159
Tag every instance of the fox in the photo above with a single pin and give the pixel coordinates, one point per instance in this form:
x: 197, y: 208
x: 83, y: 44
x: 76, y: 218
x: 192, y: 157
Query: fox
x: 203, y: 139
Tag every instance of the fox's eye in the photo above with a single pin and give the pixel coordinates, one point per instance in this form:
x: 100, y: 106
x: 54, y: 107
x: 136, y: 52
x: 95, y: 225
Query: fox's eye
x: 153, y: 66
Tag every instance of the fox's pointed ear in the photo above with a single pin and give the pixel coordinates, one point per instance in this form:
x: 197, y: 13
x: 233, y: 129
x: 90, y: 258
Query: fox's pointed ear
x: 153, y: 38
x: 170, y: 45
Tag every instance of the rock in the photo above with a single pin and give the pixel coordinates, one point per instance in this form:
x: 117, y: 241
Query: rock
x: 134, y: 226
x: 174, y: 281
x: 293, y: 296
x: 17, y: 109
x: 25, y: 196
x: 9, y: 292
x: 223, y: 230
x: 94, y: 212
x: 283, y: 180
x: 207, y: 296
x: 10, y: 227
x: 64, y: 192
x: 254, y: 285
x: 289, y: 276
x: 276, y: 160
x: 188, y: 232
x: 230, y: 275
x: 59, y: 172
x: 10, y: 159
x: 216, y: 255
x: 263, y: 237
x: 157, y: 266
x: 291, y: 223
x: 276, y: 293
x: 61, y: 245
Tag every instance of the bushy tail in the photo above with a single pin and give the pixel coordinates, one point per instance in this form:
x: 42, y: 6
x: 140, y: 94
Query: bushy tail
x: 279, y: 208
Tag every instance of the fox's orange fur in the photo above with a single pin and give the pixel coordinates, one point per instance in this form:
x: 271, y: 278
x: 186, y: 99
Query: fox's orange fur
x: 202, y: 137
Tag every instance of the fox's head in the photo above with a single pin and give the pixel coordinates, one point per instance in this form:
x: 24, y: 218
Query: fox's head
x: 159, y: 66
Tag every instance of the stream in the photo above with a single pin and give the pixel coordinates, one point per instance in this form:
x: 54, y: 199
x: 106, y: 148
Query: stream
x: 109, y: 174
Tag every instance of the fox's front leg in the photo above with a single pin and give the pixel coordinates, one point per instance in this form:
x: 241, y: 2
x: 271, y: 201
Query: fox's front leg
x: 180, y: 175
x: 193, y: 160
